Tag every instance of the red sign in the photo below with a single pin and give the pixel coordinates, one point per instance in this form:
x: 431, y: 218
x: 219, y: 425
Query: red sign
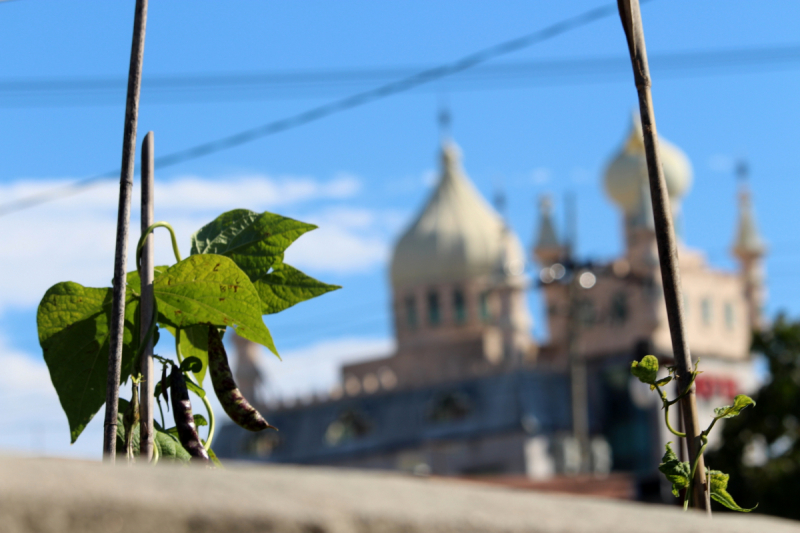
x: 714, y: 387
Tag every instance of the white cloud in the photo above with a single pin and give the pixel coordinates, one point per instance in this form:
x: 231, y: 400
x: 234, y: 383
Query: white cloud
x: 34, y: 424
x: 73, y: 239
x: 193, y: 193
x: 315, y: 369
x: 32, y: 420
x: 348, y: 240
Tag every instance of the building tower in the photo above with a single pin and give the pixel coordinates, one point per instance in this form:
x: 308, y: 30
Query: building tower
x: 547, y: 250
x: 458, y: 284
x: 749, y: 249
x: 626, y: 182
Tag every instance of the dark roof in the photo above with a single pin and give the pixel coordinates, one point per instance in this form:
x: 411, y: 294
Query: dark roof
x: 531, y: 400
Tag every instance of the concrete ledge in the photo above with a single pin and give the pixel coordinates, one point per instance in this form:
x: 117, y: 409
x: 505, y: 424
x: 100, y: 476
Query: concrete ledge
x: 71, y: 496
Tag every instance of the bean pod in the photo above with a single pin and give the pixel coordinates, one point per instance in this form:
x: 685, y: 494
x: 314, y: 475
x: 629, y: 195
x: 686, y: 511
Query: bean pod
x: 184, y: 421
x: 235, y: 405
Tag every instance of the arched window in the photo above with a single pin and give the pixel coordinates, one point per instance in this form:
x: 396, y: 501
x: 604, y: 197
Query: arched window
x: 411, y: 311
x: 459, y: 308
x: 434, y: 313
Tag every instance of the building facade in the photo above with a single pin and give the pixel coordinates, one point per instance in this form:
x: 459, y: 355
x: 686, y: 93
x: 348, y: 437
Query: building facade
x: 469, y: 390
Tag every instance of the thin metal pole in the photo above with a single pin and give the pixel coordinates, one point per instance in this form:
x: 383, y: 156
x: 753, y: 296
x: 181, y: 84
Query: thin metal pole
x: 146, y: 304
x: 631, y: 17
x: 577, y: 371
x: 123, y: 220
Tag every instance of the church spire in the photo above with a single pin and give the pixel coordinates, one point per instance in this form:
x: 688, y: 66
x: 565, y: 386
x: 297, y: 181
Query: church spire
x: 749, y: 248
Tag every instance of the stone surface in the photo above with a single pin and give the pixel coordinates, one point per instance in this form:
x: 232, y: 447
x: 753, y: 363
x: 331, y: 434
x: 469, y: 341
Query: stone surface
x: 71, y: 496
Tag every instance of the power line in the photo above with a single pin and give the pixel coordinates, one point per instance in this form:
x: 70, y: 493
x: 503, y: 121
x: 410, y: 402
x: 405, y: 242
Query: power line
x: 317, y: 113
x: 223, y: 87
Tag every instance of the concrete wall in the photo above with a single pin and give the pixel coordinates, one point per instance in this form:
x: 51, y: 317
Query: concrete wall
x: 72, y: 496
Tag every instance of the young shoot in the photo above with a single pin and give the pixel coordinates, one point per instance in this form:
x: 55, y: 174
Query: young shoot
x: 681, y: 473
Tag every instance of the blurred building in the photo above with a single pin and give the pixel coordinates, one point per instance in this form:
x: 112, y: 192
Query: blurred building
x: 469, y: 391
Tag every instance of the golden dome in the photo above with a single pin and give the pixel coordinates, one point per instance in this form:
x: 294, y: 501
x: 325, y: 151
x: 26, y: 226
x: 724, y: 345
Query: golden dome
x: 626, y: 174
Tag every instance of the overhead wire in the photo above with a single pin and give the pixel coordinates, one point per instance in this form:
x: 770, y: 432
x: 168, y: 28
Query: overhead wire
x: 325, y: 110
x: 226, y: 87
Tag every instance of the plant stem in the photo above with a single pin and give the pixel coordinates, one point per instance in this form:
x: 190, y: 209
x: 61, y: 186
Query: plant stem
x: 667, y: 403
x: 631, y: 18
x: 152, y: 228
x: 211, y: 423
x: 117, y: 324
x: 147, y: 307
x: 694, y: 469
x: 708, y: 429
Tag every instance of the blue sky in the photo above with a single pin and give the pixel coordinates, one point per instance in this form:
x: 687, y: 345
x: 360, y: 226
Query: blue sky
x: 362, y: 174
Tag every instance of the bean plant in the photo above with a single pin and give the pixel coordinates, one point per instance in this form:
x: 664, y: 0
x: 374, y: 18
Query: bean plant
x: 234, y: 275
x: 681, y: 473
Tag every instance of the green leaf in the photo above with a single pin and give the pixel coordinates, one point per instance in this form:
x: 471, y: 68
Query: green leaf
x: 646, y: 369
x: 73, y: 324
x: 719, y: 491
x: 211, y: 289
x: 170, y: 448
x: 254, y: 241
x: 677, y: 472
x: 257, y: 243
x: 200, y: 420
x: 729, y: 411
x: 193, y: 342
x: 192, y: 364
x: 134, y: 282
x: 286, y: 286
x: 663, y: 381
x: 195, y: 389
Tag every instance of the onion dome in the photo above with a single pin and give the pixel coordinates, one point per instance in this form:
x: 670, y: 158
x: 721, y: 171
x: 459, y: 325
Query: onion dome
x: 626, y: 174
x: 457, y: 236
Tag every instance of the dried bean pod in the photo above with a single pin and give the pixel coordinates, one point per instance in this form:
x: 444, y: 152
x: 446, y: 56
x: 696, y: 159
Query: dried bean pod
x: 184, y: 421
x: 235, y: 405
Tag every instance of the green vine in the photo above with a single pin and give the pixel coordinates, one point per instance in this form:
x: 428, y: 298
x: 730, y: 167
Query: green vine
x: 680, y: 473
x: 234, y: 276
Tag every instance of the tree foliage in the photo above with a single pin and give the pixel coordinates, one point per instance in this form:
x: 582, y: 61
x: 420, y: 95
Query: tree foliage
x: 761, y: 449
